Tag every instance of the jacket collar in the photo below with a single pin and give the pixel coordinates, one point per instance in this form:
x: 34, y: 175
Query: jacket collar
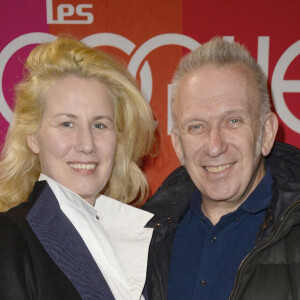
x: 284, y: 163
x: 64, y: 244
x: 172, y: 199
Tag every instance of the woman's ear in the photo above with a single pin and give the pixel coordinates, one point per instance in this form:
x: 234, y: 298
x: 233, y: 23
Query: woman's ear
x: 33, y: 143
x: 269, y: 133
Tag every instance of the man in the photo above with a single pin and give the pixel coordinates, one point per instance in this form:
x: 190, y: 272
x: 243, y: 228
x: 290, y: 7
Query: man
x: 227, y: 223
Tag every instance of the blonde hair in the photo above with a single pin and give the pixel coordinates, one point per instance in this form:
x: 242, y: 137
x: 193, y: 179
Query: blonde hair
x: 220, y: 53
x: 134, y: 123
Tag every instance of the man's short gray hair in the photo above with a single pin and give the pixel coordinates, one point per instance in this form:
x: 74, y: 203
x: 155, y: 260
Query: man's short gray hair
x: 220, y: 53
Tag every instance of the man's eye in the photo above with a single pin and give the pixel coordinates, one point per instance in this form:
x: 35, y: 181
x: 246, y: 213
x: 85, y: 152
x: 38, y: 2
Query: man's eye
x: 195, y: 128
x: 234, y: 122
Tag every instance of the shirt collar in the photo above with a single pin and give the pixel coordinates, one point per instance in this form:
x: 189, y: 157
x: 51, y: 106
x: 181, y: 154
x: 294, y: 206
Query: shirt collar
x: 67, y: 197
x: 196, y: 201
x: 260, y: 198
x: 105, y: 207
x: 195, y: 208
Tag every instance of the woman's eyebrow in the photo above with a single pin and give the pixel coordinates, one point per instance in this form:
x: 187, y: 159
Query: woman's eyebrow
x: 71, y: 116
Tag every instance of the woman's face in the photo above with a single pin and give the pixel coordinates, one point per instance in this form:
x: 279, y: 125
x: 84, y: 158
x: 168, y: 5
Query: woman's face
x: 76, y: 141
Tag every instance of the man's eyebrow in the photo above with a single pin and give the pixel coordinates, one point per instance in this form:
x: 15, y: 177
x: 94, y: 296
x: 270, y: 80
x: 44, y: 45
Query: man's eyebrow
x: 234, y: 111
x: 224, y: 113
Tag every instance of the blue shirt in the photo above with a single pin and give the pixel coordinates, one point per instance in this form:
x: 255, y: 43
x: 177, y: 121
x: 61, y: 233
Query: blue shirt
x: 205, y: 258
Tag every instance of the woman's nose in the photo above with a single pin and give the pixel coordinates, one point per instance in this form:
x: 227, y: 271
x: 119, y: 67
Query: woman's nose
x: 85, y: 141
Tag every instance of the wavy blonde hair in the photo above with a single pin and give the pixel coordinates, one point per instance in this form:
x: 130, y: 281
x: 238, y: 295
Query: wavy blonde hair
x: 134, y: 123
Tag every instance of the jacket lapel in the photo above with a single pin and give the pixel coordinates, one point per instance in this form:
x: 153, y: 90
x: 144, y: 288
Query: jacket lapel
x: 64, y: 244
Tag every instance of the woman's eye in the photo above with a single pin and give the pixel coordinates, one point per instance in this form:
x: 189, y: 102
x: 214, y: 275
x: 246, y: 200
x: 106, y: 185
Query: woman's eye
x: 99, y: 126
x: 67, y: 124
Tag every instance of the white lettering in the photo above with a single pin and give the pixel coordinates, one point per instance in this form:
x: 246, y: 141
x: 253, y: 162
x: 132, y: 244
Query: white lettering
x: 67, y: 10
x: 89, y: 16
x: 64, y: 10
x: 280, y: 86
x: 6, y: 54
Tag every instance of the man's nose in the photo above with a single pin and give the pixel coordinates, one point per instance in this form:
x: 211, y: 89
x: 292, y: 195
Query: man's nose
x: 215, y: 144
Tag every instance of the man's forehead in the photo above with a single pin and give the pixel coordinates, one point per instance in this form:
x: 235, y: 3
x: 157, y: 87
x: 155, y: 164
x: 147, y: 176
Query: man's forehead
x: 211, y: 81
x: 213, y: 73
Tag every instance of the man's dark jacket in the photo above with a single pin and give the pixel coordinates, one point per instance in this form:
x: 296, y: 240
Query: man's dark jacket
x: 272, y: 269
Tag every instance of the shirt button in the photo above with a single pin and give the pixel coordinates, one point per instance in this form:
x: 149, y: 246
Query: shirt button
x: 203, y: 282
x: 237, y: 219
x: 97, y: 217
x: 214, y: 239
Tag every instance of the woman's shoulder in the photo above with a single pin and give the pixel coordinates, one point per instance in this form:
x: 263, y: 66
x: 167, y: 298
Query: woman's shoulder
x: 13, y: 223
x: 12, y: 226
x: 16, y: 215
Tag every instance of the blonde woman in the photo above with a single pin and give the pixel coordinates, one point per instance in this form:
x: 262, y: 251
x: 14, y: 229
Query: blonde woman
x: 76, y: 143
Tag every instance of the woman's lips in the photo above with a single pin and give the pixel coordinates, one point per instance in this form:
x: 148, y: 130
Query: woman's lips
x: 83, y: 166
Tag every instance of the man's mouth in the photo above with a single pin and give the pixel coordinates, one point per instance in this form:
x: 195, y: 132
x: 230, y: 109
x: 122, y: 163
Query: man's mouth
x: 81, y: 166
x: 218, y: 168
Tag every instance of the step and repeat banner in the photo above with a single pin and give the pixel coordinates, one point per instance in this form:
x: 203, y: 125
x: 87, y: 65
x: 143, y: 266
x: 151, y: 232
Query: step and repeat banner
x: 151, y: 36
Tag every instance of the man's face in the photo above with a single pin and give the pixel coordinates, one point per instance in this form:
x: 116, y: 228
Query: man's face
x: 218, y: 136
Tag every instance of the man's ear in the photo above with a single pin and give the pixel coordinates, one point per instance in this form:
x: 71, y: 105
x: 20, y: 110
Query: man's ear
x: 269, y: 133
x: 177, y: 146
x: 33, y: 143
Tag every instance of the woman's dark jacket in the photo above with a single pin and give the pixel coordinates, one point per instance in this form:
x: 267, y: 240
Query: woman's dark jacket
x: 43, y: 257
x: 272, y: 269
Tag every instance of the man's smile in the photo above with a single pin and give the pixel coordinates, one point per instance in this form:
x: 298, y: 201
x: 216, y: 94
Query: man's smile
x: 217, y: 169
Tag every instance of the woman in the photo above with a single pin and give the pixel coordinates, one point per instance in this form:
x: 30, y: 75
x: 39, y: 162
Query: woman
x: 80, y: 131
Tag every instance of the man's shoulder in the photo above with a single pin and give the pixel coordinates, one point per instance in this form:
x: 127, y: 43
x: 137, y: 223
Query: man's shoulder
x: 285, y: 151
x: 284, y: 163
x: 173, y: 196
